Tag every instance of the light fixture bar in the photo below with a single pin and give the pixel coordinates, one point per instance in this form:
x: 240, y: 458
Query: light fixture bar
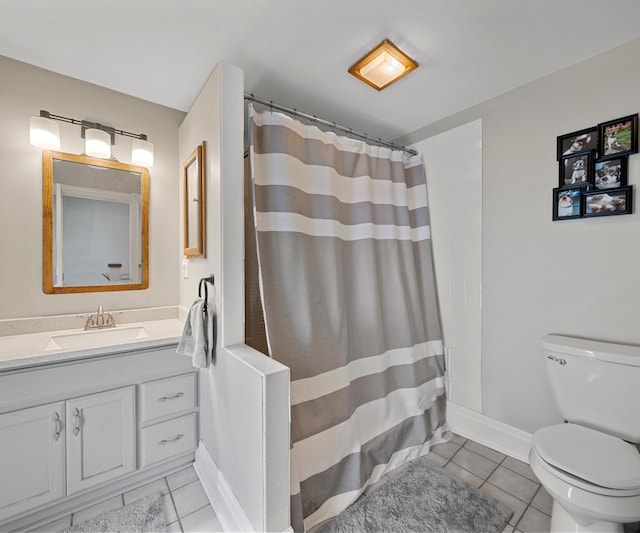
x: 85, y: 124
x: 99, y: 139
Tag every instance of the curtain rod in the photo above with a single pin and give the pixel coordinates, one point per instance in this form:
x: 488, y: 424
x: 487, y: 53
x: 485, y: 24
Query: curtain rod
x: 332, y: 125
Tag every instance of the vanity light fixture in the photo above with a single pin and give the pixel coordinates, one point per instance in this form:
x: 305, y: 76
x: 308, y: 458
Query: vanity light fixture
x: 384, y: 65
x: 45, y: 133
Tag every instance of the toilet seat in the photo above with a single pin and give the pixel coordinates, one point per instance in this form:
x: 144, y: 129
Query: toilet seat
x: 589, y: 459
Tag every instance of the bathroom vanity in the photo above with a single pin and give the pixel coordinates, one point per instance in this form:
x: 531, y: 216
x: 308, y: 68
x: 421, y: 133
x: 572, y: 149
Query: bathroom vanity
x: 83, y: 417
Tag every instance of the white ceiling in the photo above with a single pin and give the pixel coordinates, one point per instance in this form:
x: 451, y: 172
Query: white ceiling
x: 296, y: 52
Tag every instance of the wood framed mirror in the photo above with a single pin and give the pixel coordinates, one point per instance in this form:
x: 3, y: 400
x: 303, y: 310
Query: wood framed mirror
x: 194, y: 202
x: 95, y: 218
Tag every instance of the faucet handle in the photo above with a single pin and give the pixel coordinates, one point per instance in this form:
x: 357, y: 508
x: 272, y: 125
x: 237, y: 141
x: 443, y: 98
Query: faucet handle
x: 89, y: 323
x: 111, y: 321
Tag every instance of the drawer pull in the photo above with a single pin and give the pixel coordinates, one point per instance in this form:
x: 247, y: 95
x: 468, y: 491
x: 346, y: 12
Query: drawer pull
x: 174, y: 397
x: 57, y: 426
x: 169, y: 441
x: 77, y: 421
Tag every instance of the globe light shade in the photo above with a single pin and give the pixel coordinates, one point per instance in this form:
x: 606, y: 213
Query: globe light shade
x: 142, y: 153
x: 44, y: 133
x: 97, y: 143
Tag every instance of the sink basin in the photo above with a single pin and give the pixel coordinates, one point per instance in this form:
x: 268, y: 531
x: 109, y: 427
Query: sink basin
x: 94, y: 338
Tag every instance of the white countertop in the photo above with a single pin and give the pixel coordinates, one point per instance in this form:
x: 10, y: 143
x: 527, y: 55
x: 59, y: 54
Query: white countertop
x: 33, y: 349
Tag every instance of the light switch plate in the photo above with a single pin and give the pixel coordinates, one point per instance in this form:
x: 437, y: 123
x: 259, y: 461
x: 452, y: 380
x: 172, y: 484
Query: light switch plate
x: 185, y: 268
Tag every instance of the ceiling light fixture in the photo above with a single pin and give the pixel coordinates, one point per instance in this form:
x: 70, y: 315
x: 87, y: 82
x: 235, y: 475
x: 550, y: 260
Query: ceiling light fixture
x: 384, y: 65
x: 99, y: 139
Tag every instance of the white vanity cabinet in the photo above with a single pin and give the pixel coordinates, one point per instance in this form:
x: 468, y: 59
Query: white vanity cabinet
x: 93, y: 436
x: 32, y: 447
x: 101, y: 441
x: 72, y: 432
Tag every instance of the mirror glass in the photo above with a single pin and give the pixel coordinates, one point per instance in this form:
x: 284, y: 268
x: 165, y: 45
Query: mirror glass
x: 95, y: 224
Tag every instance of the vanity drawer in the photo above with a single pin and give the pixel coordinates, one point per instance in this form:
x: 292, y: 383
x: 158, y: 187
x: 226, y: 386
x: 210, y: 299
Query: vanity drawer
x: 166, y: 397
x: 166, y: 439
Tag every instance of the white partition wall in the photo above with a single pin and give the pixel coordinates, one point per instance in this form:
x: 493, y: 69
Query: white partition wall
x: 243, y: 457
x: 453, y: 162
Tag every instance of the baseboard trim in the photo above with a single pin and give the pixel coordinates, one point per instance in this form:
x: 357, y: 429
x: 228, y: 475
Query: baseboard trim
x: 224, y: 502
x: 488, y: 431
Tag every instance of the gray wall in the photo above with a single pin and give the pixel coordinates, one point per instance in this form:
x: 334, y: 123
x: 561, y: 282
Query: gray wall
x: 578, y: 277
x: 23, y: 92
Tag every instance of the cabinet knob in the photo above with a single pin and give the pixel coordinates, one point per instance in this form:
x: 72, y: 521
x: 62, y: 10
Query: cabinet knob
x: 77, y: 420
x: 57, y: 426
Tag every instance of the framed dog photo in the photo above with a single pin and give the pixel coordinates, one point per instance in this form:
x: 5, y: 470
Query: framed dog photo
x: 618, y: 137
x: 576, y: 170
x: 611, y: 173
x: 611, y: 202
x: 577, y: 142
x: 567, y: 203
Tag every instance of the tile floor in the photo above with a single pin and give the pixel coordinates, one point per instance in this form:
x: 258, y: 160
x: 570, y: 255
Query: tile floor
x: 186, y: 506
x: 508, y: 480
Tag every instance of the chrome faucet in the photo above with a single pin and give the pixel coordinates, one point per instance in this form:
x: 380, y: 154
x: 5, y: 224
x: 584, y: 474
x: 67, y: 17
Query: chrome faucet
x: 99, y: 321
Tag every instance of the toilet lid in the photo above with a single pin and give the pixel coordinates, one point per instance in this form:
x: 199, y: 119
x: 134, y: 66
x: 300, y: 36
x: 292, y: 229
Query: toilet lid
x: 598, y: 458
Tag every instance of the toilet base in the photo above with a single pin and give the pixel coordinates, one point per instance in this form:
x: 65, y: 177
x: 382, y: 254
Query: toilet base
x: 562, y: 521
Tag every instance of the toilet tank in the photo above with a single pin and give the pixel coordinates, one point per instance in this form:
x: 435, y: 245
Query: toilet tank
x: 595, y: 384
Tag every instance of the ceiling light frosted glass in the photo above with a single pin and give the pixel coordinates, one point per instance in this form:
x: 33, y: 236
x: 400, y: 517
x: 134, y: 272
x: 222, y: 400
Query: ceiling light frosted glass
x: 384, y: 65
x: 142, y: 153
x: 44, y: 133
x: 97, y: 143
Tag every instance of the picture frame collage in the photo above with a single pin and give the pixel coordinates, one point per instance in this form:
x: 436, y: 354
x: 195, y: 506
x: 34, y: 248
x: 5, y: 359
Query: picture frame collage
x: 593, y: 170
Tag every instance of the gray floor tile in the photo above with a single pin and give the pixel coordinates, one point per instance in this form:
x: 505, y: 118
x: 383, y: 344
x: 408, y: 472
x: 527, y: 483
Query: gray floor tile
x: 534, y: 521
x: 202, y: 520
x: 182, y: 477
x: 91, y: 512
x: 508, y: 529
x: 446, y: 449
x: 170, y: 513
x: 543, y: 501
x: 520, y: 467
x: 437, y: 459
x: 474, y: 463
x: 174, y: 527
x: 490, y: 454
x: 463, y: 474
x: 457, y: 439
x: 514, y: 483
x: 189, y: 498
x: 517, y: 506
x: 159, y: 485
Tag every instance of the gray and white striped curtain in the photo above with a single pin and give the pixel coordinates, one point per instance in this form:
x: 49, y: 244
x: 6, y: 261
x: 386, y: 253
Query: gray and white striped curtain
x: 350, y: 307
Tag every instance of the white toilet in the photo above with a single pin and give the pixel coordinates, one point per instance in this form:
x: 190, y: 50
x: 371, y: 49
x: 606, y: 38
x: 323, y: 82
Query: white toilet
x: 591, y: 464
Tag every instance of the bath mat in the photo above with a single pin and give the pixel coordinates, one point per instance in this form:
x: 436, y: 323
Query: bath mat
x: 424, y: 498
x: 145, y: 515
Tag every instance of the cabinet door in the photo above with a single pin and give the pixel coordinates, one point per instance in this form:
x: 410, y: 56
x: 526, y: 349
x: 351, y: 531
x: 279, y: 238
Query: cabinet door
x: 100, y: 438
x: 31, y: 458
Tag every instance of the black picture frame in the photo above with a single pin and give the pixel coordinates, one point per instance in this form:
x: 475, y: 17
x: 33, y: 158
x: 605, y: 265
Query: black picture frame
x: 564, y: 209
x: 576, y: 170
x: 610, y: 202
x: 610, y: 173
x: 618, y: 137
x: 577, y: 142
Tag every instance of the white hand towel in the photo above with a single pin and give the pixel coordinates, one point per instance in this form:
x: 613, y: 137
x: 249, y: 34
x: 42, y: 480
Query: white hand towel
x: 197, y: 336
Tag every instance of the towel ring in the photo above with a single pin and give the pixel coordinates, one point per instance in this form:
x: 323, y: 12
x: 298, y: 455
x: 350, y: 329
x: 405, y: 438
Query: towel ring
x: 203, y: 283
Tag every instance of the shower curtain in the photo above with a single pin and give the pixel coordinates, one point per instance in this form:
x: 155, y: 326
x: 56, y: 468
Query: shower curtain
x: 350, y: 307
